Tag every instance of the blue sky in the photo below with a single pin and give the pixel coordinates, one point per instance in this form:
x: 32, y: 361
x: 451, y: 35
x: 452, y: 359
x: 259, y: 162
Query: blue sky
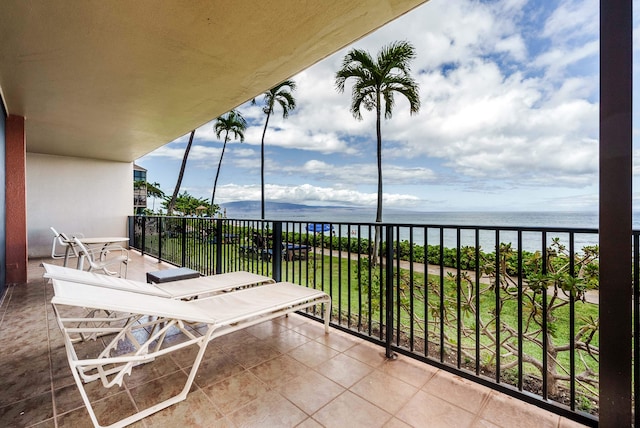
x: 508, y: 121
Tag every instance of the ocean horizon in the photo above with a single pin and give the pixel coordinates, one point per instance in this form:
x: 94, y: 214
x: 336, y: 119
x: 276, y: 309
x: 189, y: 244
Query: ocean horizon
x: 342, y: 214
x: 349, y: 217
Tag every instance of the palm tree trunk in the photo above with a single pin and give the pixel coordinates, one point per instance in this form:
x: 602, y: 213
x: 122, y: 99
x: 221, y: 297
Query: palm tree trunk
x: 215, y: 182
x: 172, y: 203
x: 376, y: 244
x: 264, y: 131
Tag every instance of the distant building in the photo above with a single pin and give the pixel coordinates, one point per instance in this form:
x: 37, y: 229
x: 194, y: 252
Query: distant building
x: 139, y: 189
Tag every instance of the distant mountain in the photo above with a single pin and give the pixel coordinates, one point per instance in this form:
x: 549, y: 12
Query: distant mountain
x: 275, y: 210
x: 271, y: 206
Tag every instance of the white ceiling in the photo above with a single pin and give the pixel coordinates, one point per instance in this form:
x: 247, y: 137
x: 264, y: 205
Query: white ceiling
x: 117, y: 79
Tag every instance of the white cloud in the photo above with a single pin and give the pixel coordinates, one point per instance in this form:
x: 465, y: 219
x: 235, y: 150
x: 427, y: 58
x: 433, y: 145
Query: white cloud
x: 573, y: 20
x: 558, y: 59
x: 307, y: 193
x: 360, y: 174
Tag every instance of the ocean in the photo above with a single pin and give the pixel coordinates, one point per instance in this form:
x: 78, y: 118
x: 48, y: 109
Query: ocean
x: 531, y: 241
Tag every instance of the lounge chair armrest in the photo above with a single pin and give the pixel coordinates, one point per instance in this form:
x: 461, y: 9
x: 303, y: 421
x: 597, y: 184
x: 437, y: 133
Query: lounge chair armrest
x: 97, y: 251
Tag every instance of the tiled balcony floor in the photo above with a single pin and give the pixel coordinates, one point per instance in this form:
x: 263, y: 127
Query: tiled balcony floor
x: 286, y: 372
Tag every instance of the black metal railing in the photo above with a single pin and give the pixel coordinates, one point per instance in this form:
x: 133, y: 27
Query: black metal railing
x: 512, y: 308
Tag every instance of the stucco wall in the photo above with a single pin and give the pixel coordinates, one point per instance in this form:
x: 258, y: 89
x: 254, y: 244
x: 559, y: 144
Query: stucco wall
x: 3, y: 263
x: 89, y: 196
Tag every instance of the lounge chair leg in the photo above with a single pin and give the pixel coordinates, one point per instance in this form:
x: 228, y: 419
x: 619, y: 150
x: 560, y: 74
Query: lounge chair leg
x: 327, y: 317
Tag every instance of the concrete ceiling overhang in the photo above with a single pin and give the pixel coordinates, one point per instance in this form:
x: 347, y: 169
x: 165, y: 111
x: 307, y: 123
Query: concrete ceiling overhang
x: 117, y: 79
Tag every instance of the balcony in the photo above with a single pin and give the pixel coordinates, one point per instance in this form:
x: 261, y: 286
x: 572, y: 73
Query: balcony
x: 435, y: 301
x: 280, y: 373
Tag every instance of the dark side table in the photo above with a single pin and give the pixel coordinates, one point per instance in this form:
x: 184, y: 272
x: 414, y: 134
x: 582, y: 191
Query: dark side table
x: 169, y: 275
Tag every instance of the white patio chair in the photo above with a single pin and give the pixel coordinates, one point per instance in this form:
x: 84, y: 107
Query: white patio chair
x: 145, y: 322
x: 98, y: 257
x: 57, y: 241
x: 62, y: 240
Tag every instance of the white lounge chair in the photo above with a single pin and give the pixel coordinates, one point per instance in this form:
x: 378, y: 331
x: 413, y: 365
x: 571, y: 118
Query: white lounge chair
x: 152, y: 317
x: 98, y: 260
x: 183, y: 289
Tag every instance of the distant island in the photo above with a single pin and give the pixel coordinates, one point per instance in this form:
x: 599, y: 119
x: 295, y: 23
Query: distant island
x: 255, y: 205
x: 273, y: 206
x: 297, y: 212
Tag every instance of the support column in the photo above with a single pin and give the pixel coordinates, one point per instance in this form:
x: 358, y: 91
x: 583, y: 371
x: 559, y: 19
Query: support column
x: 16, y: 201
x: 615, y: 213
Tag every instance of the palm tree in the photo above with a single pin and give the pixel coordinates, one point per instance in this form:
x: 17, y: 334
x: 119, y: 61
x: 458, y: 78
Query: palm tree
x: 376, y: 82
x: 172, y: 202
x: 154, y: 191
x: 232, y: 123
x: 280, y: 94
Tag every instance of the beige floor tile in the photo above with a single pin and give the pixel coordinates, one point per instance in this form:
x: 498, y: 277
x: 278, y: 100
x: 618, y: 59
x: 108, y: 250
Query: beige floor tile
x: 194, y: 412
x: 428, y: 410
x: 254, y: 354
x: 313, y: 353
x: 159, y: 367
x: 279, y: 371
x: 350, y: 410
x: 386, y: 392
x: 413, y: 372
x: 338, y: 340
x: 266, y: 330
x: 215, y: 369
x: 288, y: 340
x: 27, y: 412
x: 23, y: 377
x: 49, y: 423
x: 396, y: 423
x: 158, y: 390
x: 344, y: 370
x: 184, y: 357
x: 506, y: 411
x: 236, y: 391
x: 272, y: 410
x: 111, y: 409
x: 309, y: 423
x: 457, y: 391
x: 310, y: 391
x: 235, y: 340
x: 60, y: 370
x: 311, y: 329
x: 96, y: 392
x: 568, y: 423
x: 291, y: 320
x: 483, y: 423
x: 368, y: 353
x: 68, y: 398
x: 78, y: 418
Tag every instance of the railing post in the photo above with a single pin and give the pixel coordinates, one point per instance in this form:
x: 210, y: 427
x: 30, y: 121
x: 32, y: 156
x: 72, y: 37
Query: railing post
x: 144, y: 233
x: 389, y: 291
x: 184, y: 242
x: 218, y: 247
x: 160, y: 228
x: 277, y: 251
x: 132, y: 231
x: 616, y: 205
